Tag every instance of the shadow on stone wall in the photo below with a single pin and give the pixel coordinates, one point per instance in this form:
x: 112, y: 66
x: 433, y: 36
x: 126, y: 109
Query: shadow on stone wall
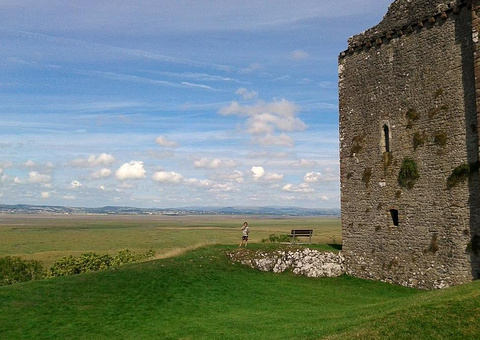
x: 471, y: 126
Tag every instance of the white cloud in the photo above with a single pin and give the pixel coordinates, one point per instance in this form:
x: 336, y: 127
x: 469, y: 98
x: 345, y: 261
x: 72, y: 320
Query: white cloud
x: 214, y: 163
x: 299, y: 55
x: 165, y: 142
x: 301, y: 188
x: 6, y: 164
x: 102, y: 173
x: 75, y: 184
x: 271, y: 176
x: 131, y: 170
x: 275, y: 140
x: 266, y: 119
x: 125, y: 185
x: 103, y: 159
x: 224, y: 187
x: 36, y: 177
x: 167, y: 177
x: 312, y: 177
x: 69, y: 197
x: 305, y: 81
x: 257, y: 172
x: 197, y: 182
x: 247, y: 95
x: 201, y: 86
x: 236, y: 176
x: 255, y: 67
x: 269, y: 155
x: 46, y: 194
x: 17, y: 180
x: 30, y: 164
x: 304, y: 163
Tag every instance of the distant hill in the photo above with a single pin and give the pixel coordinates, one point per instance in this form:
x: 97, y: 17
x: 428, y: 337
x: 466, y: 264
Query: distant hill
x: 113, y: 210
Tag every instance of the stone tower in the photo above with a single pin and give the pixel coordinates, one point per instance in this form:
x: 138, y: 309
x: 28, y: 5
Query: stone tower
x: 409, y: 95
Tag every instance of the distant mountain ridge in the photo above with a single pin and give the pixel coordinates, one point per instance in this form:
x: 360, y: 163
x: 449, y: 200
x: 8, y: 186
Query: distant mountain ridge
x: 114, y: 210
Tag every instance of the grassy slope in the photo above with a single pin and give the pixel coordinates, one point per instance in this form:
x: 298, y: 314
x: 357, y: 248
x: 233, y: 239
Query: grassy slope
x: 200, y: 295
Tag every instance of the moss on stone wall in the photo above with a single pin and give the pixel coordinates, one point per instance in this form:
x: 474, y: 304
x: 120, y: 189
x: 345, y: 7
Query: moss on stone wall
x: 357, y: 144
x: 440, y: 138
x: 366, y: 176
x: 461, y: 173
x: 412, y: 116
x: 408, y: 173
x: 418, y: 140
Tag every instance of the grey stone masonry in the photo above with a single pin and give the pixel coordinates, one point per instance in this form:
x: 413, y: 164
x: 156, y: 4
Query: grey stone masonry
x: 409, y: 95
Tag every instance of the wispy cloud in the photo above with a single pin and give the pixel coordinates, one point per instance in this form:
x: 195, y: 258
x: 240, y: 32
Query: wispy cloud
x: 299, y: 55
x: 246, y: 94
x: 112, y: 50
x: 165, y: 142
x: 201, y: 86
x: 103, y: 159
x: 202, y: 15
x: 216, y: 163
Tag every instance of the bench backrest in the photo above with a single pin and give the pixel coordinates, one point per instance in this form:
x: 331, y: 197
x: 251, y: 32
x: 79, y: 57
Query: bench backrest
x: 302, y: 232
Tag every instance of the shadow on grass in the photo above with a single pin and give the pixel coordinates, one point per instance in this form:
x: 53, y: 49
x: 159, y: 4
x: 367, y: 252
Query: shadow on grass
x: 335, y: 246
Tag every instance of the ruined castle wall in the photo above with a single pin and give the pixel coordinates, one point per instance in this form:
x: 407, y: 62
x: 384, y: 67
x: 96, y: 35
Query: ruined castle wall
x: 407, y: 91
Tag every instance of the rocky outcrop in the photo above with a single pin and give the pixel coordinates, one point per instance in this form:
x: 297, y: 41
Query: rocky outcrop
x: 307, y: 262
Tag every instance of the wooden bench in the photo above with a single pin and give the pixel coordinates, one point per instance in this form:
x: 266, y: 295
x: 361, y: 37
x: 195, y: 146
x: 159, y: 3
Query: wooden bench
x: 294, y: 233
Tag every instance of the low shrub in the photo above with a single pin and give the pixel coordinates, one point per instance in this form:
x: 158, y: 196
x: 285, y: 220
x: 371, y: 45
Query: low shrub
x: 14, y: 269
x: 89, y: 262
x: 70, y: 265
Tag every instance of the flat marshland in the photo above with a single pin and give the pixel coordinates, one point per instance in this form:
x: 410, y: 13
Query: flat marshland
x: 200, y: 294
x: 49, y: 237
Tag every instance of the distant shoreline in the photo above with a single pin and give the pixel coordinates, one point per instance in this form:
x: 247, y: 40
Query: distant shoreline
x: 23, y: 209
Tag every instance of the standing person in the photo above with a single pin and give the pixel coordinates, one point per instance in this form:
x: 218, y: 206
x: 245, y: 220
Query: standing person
x: 245, y: 231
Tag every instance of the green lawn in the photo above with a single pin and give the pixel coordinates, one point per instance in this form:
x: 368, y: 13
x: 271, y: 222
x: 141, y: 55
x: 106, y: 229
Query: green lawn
x: 201, y: 295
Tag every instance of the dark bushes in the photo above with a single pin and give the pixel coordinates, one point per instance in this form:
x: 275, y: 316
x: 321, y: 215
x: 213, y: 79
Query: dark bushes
x: 13, y: 269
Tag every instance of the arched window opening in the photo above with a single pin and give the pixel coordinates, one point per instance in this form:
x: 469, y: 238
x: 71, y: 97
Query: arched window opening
x: 386, y: 136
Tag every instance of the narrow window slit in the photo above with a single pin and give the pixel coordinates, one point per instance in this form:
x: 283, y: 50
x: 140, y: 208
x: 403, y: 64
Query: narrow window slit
x: 386, y: 135
x: 394, y: 216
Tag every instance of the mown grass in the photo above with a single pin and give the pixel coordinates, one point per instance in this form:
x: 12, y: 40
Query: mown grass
x: 201, y: 295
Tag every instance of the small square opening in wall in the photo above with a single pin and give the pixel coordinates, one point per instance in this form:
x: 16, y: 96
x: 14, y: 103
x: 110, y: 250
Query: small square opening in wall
x: 394, y: 216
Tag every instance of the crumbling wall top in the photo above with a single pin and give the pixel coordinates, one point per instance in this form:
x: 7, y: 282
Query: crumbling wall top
x: 402, y: 14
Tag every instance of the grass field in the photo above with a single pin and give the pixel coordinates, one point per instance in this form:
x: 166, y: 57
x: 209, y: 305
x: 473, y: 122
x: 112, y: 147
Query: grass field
x: 49, y: 237
x: 200, y: 294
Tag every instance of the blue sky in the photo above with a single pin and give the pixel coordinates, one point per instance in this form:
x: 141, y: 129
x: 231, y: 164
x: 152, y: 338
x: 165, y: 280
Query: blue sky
x: 173, y: 103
